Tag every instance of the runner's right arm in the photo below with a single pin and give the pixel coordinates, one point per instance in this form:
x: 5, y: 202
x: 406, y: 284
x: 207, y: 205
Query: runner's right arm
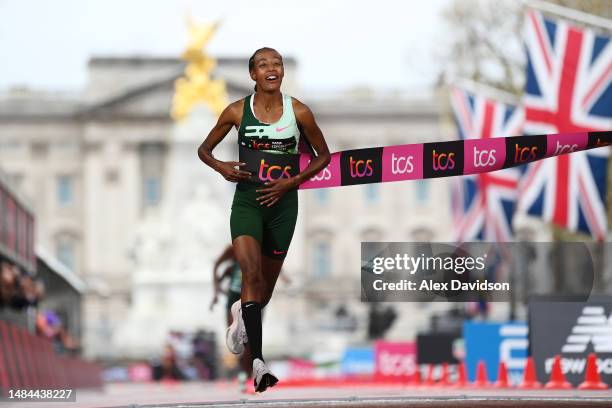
x: 229, y: 170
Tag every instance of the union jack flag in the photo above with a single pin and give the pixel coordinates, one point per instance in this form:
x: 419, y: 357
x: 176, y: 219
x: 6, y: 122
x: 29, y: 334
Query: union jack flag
x: 568, y: 89
x: 483, y: 204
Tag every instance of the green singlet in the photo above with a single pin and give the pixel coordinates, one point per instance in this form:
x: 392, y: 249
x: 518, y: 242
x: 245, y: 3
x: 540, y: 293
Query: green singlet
x: 272, y: 226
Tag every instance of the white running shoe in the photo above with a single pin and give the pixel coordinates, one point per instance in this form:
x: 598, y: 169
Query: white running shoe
x: 235, y: 336
x: 262, y: 376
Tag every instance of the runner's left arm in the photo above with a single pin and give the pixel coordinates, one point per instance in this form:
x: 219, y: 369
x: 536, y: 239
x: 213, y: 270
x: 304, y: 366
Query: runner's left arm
x: 313, y: 133
x: 227, y: 254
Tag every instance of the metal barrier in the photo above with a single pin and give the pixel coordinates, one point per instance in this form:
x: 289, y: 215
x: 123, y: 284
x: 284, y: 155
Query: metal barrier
x: 30, y: 362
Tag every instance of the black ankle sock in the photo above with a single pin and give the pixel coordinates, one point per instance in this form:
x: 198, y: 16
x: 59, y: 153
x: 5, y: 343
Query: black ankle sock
x: 251, y: 314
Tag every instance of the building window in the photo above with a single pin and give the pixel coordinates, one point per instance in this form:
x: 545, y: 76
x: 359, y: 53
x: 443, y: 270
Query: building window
x: 152, y: 191
x: 65, y: 253
x: 65, y: 147
x: 152, y: 169
x: 111, y: 176
x: 65, y: 190
x: 321, y: 259
x: 13, y: 147
x: 322, y: 196
x: 372, y: 193
x: 422, y: 191
x: 39, y: 149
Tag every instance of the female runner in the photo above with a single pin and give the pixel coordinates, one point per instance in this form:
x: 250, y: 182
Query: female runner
x: 263, y: 216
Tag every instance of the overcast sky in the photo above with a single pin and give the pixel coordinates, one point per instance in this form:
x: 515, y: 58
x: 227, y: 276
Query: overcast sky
x: 338, y: 44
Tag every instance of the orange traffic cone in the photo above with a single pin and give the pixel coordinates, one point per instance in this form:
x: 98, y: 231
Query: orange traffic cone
x: 430, y: 376
x: 557, y: 378
x: 502, y: 376
x: 481, y: 376
x: 416, y: 377
x: 592, y: 380
x: 461, y: 376
x: 529, y: 378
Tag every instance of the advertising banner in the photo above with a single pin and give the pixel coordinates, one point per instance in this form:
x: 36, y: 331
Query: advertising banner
x: 437, y: 348
x: 394, y: 360
x: 357, y: 362
x: 572, y: 330
x: 494, y: 343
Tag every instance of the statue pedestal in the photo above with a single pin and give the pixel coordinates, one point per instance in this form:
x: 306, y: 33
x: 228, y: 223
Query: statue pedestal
x: 176, y: 246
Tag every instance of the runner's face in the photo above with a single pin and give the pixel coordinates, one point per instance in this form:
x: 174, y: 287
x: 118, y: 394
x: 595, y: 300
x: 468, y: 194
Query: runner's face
x: 268, y: 71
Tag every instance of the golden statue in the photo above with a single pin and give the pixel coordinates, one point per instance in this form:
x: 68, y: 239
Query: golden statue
x: 197, y: 85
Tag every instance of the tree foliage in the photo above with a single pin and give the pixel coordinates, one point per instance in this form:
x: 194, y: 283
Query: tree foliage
x: 485, y: 41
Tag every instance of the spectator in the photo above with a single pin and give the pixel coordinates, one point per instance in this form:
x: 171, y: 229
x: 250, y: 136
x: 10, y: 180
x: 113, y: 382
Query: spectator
x: 7, y: 284
x: 204, y: 355
x: 170, y: 369
x: 25, y: 293
x: 18, y: 291
x: 50, y: 326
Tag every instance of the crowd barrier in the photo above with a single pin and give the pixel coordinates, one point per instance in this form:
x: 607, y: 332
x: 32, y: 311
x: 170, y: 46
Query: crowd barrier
x: 30, y: 362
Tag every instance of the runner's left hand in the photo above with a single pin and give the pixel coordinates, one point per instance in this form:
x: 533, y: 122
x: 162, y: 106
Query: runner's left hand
x: 274, y: 190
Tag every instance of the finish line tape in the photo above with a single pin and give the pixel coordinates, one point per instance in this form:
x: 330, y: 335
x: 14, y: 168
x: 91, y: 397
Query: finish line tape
x: 420, y: 160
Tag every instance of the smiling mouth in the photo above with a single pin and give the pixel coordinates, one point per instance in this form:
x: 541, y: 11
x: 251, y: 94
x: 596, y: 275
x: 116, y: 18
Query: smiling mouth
x: 271, y: 78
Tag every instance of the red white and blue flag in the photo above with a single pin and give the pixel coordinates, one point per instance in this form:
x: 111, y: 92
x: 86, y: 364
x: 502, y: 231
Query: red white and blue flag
x: 484, y: 204
x: 568, y: 89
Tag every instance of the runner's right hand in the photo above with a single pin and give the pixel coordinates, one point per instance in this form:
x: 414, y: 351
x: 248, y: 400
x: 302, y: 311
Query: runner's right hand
x: 229, y: 171
x: 214, y: 301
